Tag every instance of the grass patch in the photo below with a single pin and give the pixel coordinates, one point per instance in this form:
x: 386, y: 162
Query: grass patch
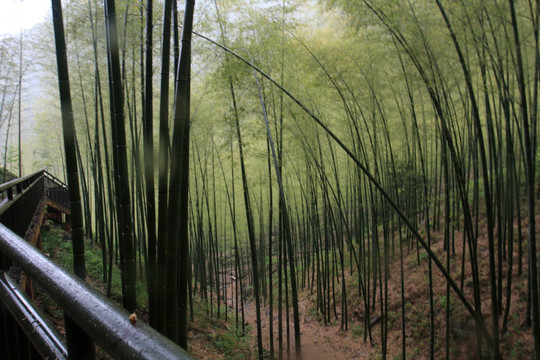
x: 56, y: 244
x: 211, y: 337
x: 231, y: 345
x: 357, y: 331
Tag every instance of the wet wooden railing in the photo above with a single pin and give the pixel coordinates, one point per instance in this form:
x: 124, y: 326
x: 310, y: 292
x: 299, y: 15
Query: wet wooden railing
x: 25, y: 332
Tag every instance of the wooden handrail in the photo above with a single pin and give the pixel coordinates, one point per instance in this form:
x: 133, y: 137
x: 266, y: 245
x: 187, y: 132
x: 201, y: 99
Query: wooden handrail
x: 17, y: 181
x: 104, y: 321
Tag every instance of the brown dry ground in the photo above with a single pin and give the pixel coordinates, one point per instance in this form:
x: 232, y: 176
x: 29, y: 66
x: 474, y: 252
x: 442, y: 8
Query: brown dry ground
x: 330, y: 342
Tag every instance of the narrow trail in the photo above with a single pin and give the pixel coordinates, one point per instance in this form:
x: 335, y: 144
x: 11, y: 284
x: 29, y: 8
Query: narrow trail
x: 319, y: 342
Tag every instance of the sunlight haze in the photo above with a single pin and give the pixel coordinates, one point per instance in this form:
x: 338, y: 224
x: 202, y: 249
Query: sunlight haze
x: 21, y: 14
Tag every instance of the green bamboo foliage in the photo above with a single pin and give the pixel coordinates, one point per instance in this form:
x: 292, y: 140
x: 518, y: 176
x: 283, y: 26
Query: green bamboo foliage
x: 427, y: 157
x: 370, y: 177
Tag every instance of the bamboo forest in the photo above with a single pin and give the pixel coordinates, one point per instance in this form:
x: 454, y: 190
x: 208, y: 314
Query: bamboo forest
x: 285, y: 179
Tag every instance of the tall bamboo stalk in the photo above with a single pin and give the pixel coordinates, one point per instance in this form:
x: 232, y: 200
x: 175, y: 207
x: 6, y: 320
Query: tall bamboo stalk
x: 79, y: 344
x: 119, y: 141
x: 177, y: 232
x: 163, y: 168
x: 148, y: 135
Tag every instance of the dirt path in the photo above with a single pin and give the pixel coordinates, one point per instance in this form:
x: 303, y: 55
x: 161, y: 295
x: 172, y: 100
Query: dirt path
x: 318, y: 341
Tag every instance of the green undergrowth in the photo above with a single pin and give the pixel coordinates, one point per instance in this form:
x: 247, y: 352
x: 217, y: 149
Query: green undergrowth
x: 56, y: 244
x: 209, y: 337
x: 216, y: 338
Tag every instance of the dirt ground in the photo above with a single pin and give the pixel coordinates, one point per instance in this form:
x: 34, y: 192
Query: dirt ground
x: 330, y: 342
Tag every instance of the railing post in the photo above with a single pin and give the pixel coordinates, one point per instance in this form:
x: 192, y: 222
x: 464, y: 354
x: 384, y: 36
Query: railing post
x: 79, y: 344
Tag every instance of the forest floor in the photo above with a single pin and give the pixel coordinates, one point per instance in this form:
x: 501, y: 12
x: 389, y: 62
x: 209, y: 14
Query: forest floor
x: 331, y: 342
x: 213, y: 338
